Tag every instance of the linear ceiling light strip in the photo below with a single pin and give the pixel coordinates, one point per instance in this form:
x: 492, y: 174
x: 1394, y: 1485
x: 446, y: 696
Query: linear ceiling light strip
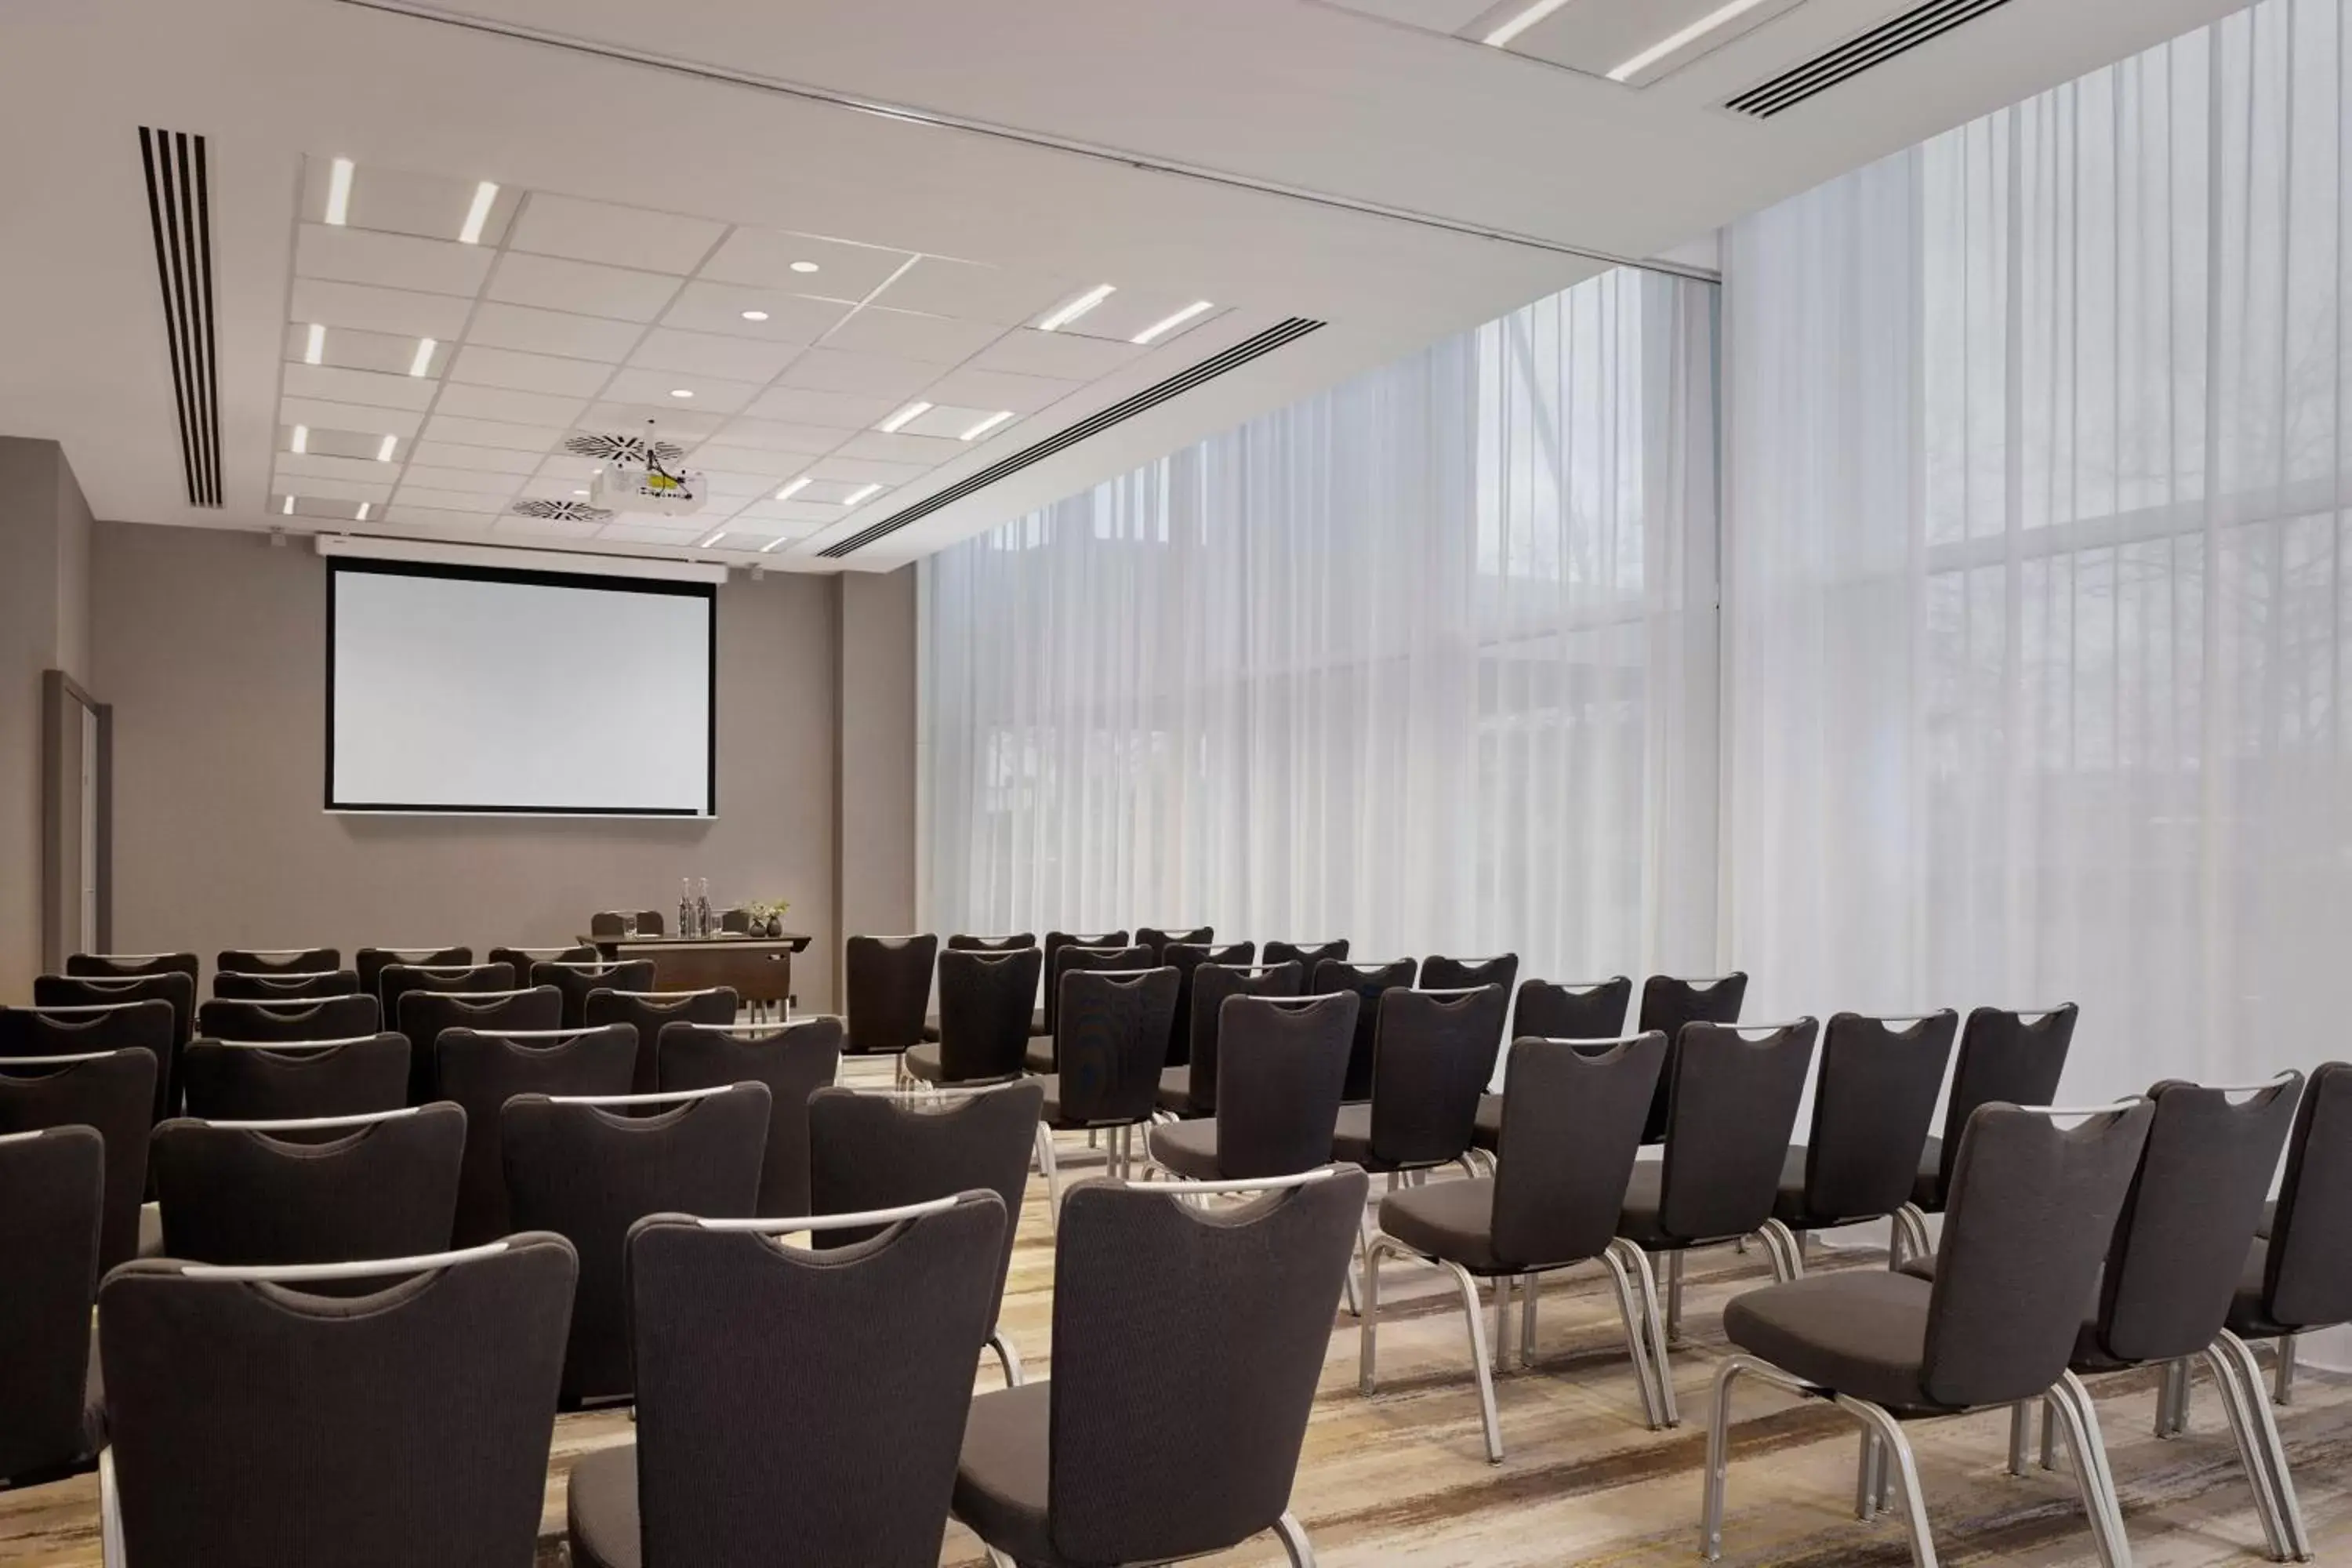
x: 179, y: 212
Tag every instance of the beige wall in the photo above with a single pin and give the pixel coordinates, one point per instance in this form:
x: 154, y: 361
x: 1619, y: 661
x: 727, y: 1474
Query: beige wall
x: 210, y: 646
x: 876, y: 704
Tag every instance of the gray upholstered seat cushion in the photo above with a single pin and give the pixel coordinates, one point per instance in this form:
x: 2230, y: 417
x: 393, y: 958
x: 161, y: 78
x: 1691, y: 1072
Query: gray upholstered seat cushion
x: 1861, y: 1332
x: 601, y: 1510
x: 1450, y: 1220
x: 1039, y: 1057
x: 1176, y: 1091
x: 1486, y: 1130
x: 1004, y: 1473
x: 1927, y: 1192
x: 1186, y: 1148
x: 2248, y: 1318
x: 923, y: 1061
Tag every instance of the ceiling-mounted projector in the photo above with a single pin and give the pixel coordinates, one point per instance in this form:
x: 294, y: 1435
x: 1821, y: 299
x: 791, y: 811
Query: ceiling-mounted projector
x: 640, y: 474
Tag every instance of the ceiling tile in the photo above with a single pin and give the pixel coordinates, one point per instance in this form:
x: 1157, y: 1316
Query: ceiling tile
x: 486, y: 459
x: 471, y: 481
x: 940, y: 340
x: 451, y: 501
x: 504, y: 326
x: 1027, y: 351
x: 565, y: 466
x: 580, y: 287
x: 441, y: 520
x: 311, y: 485
x: 747, y: 460
x: 971, y: 292
x: 547, y: 527
x: 711, y: 353
x: 774, y: 435
x: 639, y: 533
x: 831, y: 491
x: 615, y: 236
x: 861, y: 470
x: 754, y: 537
x: 554, y: 487
x: 1127, y: 313
x: 529, y: 372
x: 720, y: 307
x: 390, y: 261
x: 993, y: 389
x: 799, y: 406
x: 490, y: 433
x: 323, y: 416
x: 925, y: 451
x: 949, y: 421
x: 504, y: 403
x: 806, y: 513
x: 369, y: 388
x: 400, y: 201
x: 764, y: 257
x: 653, y: 388
x: 346, y: 348
x: 403, y: 311
x: 319, y: 443
x: 872, y: 375
x: 739, y: 487
x: 672, y: 424
x: 321, y: 465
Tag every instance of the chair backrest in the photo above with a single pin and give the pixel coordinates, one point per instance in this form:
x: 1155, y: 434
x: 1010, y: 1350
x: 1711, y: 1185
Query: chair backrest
x: 278, y: 960
x: 52, y: 1193
x: 1368, y: 981
x: 356, y: 1077
x: 309, y: 1018
x: 886, y: 987
x: 77, y: 1031
x: 1284, y: 1062
x: 2307, y: 1268
x: 1056, y: 941
x: 1306, y: 954
x: 1187, y: 1346
x: 2189, y: 1218
x: 298, y: 987
x: 2010, y: 1057
x: 372, y: 961
x: 985, y: 996
x: 648, y: 1011
x: 1547, y: 1010
x: 649, y: 922
x: 244, y: 1192
x: 870, y: 1152
x: 1441, y: 973
x: 424, y: 1014
x: 576, y: 980
x: 2031, y: 1209
x: 1210, y: 985
x: 1072, y: 959
x: 794, y: 1059
x: 522, y: 959
x: 587, y: 1173
x: 1871, y: 1107
x: 1184, y: 958
x: 607, y: 922
x: 416, y: 1430
x: 111, y: 1092
x: 1571, y: 1127
x: 1113, y: 1041
x: 963, y: 942
x: 399, y: 979
x: 60, y: 991
x: 1731, y: 1110
x: 125, y: 966
x: 756, y: 1361
x: 481, y: 1072
x: 1668, y: 1004
x: 738, y: 920
x: 1158, y: 941
x: 1433, y: 1054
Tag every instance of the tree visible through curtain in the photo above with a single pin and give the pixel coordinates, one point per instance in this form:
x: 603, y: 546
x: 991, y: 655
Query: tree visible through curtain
x: 1427, y: 662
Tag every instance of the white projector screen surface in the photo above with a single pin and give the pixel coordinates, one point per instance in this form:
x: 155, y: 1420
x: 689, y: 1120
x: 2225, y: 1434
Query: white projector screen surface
x: 470, y: 689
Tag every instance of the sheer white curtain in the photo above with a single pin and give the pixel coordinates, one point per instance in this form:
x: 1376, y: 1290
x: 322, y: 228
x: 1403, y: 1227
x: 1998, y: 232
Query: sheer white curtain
x: 1427, y: 662
x: 2036, y: 608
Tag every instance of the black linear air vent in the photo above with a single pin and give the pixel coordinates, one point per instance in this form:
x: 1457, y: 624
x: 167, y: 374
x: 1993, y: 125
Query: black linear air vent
x: 1896, y: 36
x: 1151, y: 397
x: 179, y: 206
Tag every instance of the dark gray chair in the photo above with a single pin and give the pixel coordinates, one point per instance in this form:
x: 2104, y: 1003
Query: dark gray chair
x: 649, y: 1012
x: 93, y: 1029
x: 583, y: 1169
x: 1112, y: 1462
x: 756, y: 1360
x: 1576, y: 1117
x: 1873, y: 1103
x: 1184, y: 957
x: 370, y: 963
x: 480, y: 1073
x: 230, y: 1082
x: 398, y: 980
x: 608, y: 922
x: 1441, y: 973
x: 52, y: 1197
x: 385, y: 1185
x: 111, y: 1092
x: 1545, y: 1010
x: 1668, y: 1004
x: 425, y: 1014
x: 54, y: 993
x: 283, y: 961
x: 522, y: 959
x: 1044, y: 1053
x: 1114, y: 1036
x: 870, y: 1151
x: 1056, y: 941
x: 1434, y: 1054
x: 2010, y: 1058
x: 2298, y: 1276
x: 1156, y: 942
x: 1730, y: 1113
x: 794, y: 1059
x: 255, y: 1422
x: 887, y: 991
x: 317, y: 1019
x: 129, y: 965
x: 303, y: 986
x: 1190, y: 1090
x: 1368, y: 981
x: 576, y: 980
x: 1306, y: 954
x: 964, y: 943
x: 984, y: 1006
x: 2032, y: 1207
x: 1285, y: 1060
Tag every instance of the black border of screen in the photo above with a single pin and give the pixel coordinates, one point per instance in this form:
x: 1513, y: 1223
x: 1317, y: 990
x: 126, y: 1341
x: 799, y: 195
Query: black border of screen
x: 597, y: 581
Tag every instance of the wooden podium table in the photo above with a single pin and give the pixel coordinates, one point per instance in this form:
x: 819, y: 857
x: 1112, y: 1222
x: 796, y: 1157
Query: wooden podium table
x: 759, y: 968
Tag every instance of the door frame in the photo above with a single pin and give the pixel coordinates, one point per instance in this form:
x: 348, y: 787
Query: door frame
x: 58, y: 869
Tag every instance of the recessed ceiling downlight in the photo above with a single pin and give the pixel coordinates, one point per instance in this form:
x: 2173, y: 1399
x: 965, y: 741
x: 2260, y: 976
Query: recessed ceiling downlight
x: 755, y: 315
x: 804, y: 266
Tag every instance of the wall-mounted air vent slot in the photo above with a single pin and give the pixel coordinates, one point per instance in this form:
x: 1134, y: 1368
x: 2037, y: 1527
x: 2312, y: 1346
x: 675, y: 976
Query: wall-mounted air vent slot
x: 1896, y: 36
x: 179, y: 207
x: 1151, y: 397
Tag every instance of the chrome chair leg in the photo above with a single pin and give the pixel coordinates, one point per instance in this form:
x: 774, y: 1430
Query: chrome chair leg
x: 2092, y: 1479
x: 1502, y: 1285
x: 1294, y: 1541
x: 2049, y: 1436
x: 1674, y: 1295
x: 2237, y: 1402
x: 2282, y: 1381
x: 1629, y: 1312
x: 1663, y: 1365
x: 2268, y: 1447
x: 1869, y: 1477
x: 1052, y: 1176
x: 109, y: 1511
x: 1367, y: 1319
x: 2169, y: 1390
x: 2021, y: 1419
x: 1784, y: 1250
x: 1719, y: 1457
x: 1006, y: 1357
x: 1470, y: 1309
x: 1897, y: 1447
x: 1528, y: 1294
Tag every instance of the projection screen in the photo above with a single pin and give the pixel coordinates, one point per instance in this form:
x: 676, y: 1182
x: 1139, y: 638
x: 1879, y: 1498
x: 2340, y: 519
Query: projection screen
x: 476, y: 689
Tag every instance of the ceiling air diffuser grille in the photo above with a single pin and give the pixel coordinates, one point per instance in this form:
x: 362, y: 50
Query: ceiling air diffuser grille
x: 1896, y: 36
x: 179, y: 207
x: 562, y: 511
